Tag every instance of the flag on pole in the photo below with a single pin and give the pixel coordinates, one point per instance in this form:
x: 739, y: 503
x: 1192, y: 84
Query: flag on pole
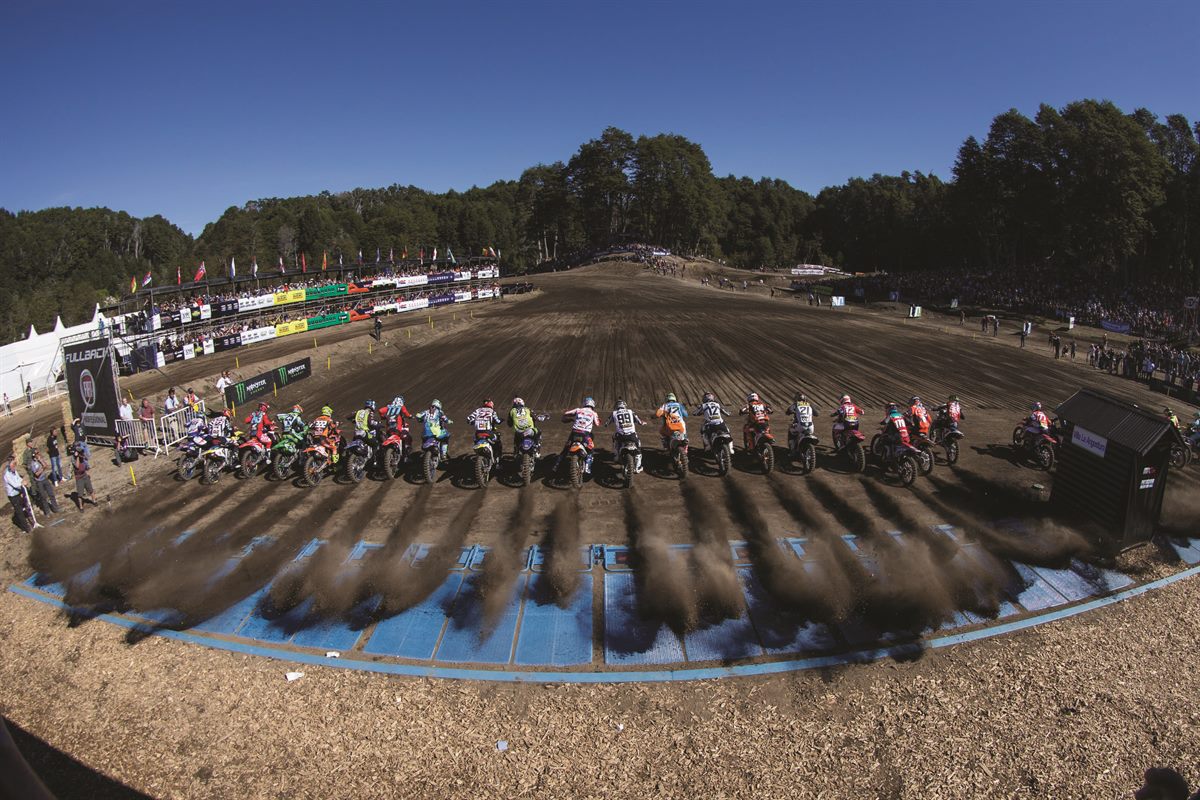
x: 324, y: 260
x: 282, y: 268
x: 339, y: 258
x: 421, y: 256
x: 146, y: 280
x: 376, y: 255
x: 404, y: 253
x: 200, y: 273
x: 254, y: 267
x: 360, y: 256
x: 450, y: 255
x: 133, y: 284
x: 434, y: 256
x: 491, y: 251
x: 178, y: 276
x: 233, y: 266
x: 391, y: 255
x: 303, y: 263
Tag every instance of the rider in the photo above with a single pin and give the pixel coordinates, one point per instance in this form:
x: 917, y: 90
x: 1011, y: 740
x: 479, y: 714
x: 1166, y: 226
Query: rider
x: 1194, y: 436
x: 801, y: 411
x: 366, y: 424
x: 436, y: 425
x: 1037, y: 423
x: 714, y: 421
x: 196, y: 427
x: 895, y: 429
x: 324, y: 430
x: 582, y: 420
x: 486, y: 420
x: 523, y: 422
x: 1172, y: 418
x: 220, y: 427
x: 757, y: 418
x: 918, y: 416
x: 625, y: 421
x: 847, y: 414
x: 396, y: 413
x: 672, y: 412
x: 260, y: 423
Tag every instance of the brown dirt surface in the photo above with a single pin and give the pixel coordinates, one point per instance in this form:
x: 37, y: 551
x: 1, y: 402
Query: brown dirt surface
x: 1072, y: 709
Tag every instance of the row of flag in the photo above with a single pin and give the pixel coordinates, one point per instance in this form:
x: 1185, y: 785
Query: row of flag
x: 202, y: 272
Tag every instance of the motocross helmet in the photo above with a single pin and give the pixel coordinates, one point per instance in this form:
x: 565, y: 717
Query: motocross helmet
x: 953, y: 398
x: 845, y: 399
x: 589, y: 402
x: 518, y: 402
x: 227, y: 413
x: 892, y: 407
x: 296, y: 409
x: 488, y: 404
x: 397, y: 401
x: 369, y: 404
x: 752, y: 397
x: 1036, y: 406
x: 1167, y: 410
x: 326, y: 411
x: 799, y: 397
x: 915, y: 400
x: 671, y: 397
x: 262, y: 406
x: 709, y: 397
x: 621, y: 404
x: 436, y: 404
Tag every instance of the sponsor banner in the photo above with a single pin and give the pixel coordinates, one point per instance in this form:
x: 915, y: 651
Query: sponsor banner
x: 1093, y: 443
x: 463, y: 296
x: 290, y: 296
x: 92, y: 385
x: 460, y: 275
x: 255, y: 303
x: 807, y: 271
x: 487, y: 272
x: 837, y: 301
x: 258, y: 335
x: 168, y: 322
x: 160, y: 359
x: 288, y: 328
x: 321, y: 292
x: 155, y: 322
x: 412, y: 280
x: 358, y: 287
x: 205, y: 311
x: 208, y: 347
x: 225, y: 308
x: 223, y: 343
x: 387, y: 308
x: 914, y: 312
x: 825, y: 290
x: 441, y: 277
x: 441, y: 300
x: 1114, y: 327
x: 414, y: 305
x: 185, y: 316
x: 189, y: 351
x: 381, y: 283
x: 483, y: 293
x: 239, y: 393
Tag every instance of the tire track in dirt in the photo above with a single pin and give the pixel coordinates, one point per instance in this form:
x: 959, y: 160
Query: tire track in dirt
x: 718, y: 588
x: 562, y: 545
x: 664, y: 587
x: 503, y: 562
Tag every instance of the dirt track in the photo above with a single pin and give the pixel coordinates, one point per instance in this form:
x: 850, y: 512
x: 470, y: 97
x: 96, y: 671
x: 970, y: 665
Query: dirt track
x: 615, y: 331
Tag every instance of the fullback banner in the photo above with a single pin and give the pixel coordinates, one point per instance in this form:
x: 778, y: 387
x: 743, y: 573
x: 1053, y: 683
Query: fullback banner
x: 92, y: 385
x: 265, y: 382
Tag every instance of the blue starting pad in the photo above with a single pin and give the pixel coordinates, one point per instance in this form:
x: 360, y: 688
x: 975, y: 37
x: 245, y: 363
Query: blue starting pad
x: 629, y: 639
x: 780, y: 631
x: 468, y: 637
x: 726, y: 640
x: 1037, y: 594
x: 555, y: 636
x: 1186, y: 549
x: 539, y: 554
x: 414, y: 632
x: 228, y: 621
x: 416, y: 554
x: 1067, y: 582
x: 43, y: 584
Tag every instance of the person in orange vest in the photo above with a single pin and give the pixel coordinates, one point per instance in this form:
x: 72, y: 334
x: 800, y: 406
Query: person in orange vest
x: 918, y: 417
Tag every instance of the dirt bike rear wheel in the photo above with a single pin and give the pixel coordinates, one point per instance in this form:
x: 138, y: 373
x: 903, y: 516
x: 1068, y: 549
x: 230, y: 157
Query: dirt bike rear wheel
x: 723, y: 460
x: 1018, y: 436
x: 429, y: 467
x: 1044, y: 454
x: 627, y: 468
x: 187, y: 469
x: 312, y: 472
x: 1179, y: 457
x: 356, y: 468
x: 951, y: 452
x: 247, y: 466
x: 858, y: 458
x: 926, y: 459
x: 282, y: 466
x: 766, y: 454
x: 681, y: 463
x: 391, y: 462
x: 575, y: 471
x: 482, y: 471
x: 526, y: 469
x: 212, y: 471
x: 808, y: 457
x: 877, y: 445
x: 908, y: 469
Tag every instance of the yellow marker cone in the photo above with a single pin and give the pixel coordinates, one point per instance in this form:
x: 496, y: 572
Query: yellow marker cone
x: 314, y: 343
x: 275, y: 390
x: 132, y: 477
x: 327, y: 361
x: 370, y: 347
x: 236, y: 363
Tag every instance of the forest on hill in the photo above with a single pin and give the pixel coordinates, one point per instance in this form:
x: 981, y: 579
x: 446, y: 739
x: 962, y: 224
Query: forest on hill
x: 1085, y: 187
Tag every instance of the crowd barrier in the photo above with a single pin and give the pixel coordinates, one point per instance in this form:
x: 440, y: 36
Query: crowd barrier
x: 139, y: 433
x: 173, y: 427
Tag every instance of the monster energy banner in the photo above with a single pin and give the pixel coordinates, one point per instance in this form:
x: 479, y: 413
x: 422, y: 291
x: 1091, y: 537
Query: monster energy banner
x: 259, y: 385
x: 92, y: 385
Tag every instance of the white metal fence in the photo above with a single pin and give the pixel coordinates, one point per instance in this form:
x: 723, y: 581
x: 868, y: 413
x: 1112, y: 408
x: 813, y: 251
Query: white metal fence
x: 173, y: 427
x: 158, y: 435
x: 139, y: 433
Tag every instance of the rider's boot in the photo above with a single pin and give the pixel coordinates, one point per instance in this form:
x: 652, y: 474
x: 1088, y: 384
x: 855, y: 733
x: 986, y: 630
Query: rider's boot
x: 637, y: 463
x: 587, y: 464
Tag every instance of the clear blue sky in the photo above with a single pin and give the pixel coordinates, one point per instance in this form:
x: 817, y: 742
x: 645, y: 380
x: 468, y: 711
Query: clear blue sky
x: 185, y: 109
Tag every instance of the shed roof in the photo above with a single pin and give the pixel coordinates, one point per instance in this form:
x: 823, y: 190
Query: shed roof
x: 1120, y: 422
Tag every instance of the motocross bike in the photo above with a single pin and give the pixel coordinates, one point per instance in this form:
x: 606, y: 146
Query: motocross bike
x: 284, y: 453
x: 431, y: 456
x: 924, y: 446
x: 576, y: 456
x: 946, y: 434
x: 1181, y: 454
x: 218, y: 455
x: 678, y: 448
x: 802, y: 448
x: 720, y: 444
x: 901, y: 458
x: 628, y: 452
x: 253, y: 451
x: 189, y: 456
x: 851, y: 443
x: 1041, y: 447
x: 395, y: 451
x: 358, y: 454
x: 484, y: 456
x: 528, y: 448
x: 763, y: 447
x: 318, y: 458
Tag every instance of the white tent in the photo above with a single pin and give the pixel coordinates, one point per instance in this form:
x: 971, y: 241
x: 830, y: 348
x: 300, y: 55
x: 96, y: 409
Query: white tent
x: 37, y: 359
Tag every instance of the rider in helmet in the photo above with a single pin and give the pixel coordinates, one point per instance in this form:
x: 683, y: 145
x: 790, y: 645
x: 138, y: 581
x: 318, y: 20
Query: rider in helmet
x: 583, y: 419
x: 757, y: 418
x: 436, y: 425
x: 672, y: 413
x: 292, y: 422
x: 396, y: 413
x: 260, y: 423
x: 1172, y: 418
x: 366, y: 423
x: 625, y: 421
x: 917, y: 416
x: 895, y: 427
x: 714, y: 420
x: 1037, y: 423
x: 1194, y: 436
x: 523, y: 422
x: 486, y: 420
x: 801, y: 412
x: 847, y: 414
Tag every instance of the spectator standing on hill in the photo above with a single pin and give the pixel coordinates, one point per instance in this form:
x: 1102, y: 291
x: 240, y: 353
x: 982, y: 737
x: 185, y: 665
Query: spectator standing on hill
x: 82, y: 470
x: 7, y: 405
x: 224, y: 381
x: 125, y: 410
x: 39, y: 475
x: 14, y: 490
x: 29, y: 395
x: 172, y: 402
x: 146, y: 413
x: 56, y: 473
